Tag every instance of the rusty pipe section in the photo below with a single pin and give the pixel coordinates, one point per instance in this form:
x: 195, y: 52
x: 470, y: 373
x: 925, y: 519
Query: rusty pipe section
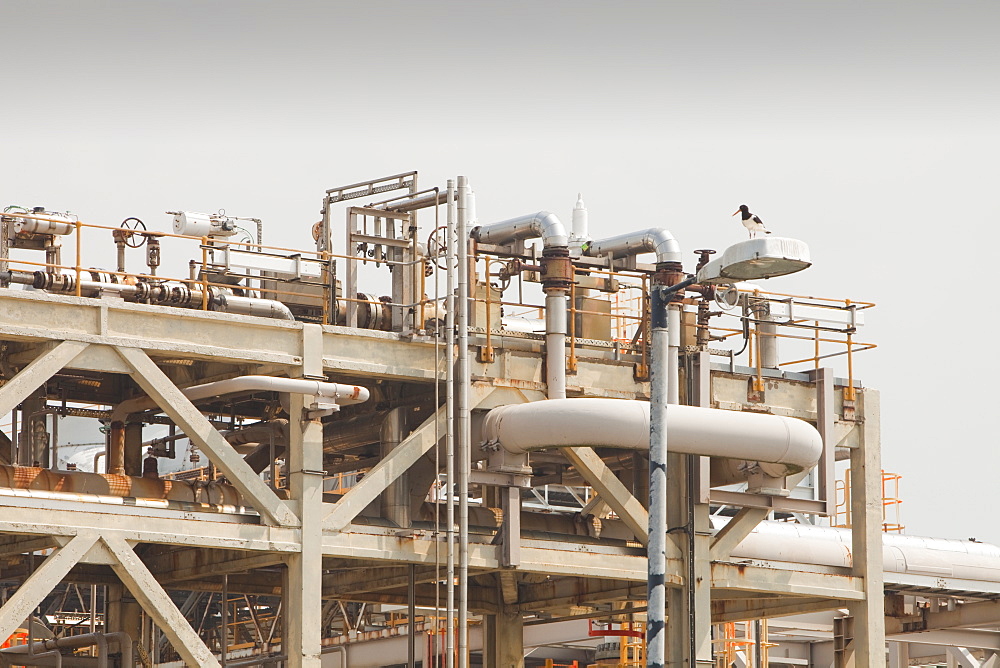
x: 123, y: 640
x: 109, y: 484
x: 169, y: 293
x: 338, y: 393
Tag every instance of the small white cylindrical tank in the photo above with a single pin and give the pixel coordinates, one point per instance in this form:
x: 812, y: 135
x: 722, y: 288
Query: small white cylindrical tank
x: 193, y: 224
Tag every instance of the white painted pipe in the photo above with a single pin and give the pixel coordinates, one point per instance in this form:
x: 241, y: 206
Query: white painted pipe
x: 792, y: 444
x: 263, y: 308
x: 653, y: 240
x: 542, y: 224
x: 555, y: 344
x: 907, y: 555
x: 341, y: 394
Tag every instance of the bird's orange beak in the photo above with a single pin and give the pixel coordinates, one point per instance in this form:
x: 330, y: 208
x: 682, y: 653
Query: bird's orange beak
x: 736, y: 212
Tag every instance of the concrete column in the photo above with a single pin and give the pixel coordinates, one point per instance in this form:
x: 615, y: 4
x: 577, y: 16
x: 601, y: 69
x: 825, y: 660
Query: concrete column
x: 677, y: 624
x: 503, y: 646
x: 899, y: 655
x: 395, y: 500
x: 866, y: 520
x: 689, y: 608
x: 123, y: 613
x: 303, y: 595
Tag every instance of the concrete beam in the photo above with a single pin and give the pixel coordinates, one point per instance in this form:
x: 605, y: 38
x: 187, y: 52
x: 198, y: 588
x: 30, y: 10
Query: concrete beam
x: 50, y: 573
x: 158, y: 605
x: 31, y: 377
x: 197, y: 427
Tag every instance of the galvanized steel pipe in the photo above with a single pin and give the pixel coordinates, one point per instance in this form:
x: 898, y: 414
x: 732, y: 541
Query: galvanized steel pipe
x: 653, y: 240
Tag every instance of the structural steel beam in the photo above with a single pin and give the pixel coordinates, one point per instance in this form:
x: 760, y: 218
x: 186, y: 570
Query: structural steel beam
x: 983, y: 613
x: 158, y: 605
x: 738, y: 528
x: 31, y: 377
x: 405, y: 455
x: 197, y: 427
x: 739, y: 610
x: 30, y: 594
x: 612, y: 490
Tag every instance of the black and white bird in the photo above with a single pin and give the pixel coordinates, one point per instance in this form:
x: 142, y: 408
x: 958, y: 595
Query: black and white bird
x: 751, y: 221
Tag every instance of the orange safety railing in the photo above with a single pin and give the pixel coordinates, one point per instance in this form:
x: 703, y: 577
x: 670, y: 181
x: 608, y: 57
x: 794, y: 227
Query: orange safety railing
x: 734, y: 647
x: 891, y: 501
x: 214, y: 258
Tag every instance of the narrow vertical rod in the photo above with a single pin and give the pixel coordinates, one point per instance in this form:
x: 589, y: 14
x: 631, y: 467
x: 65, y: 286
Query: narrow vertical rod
x: 464, y: 425
x: 450, y: 427
x: 659, y: 373
x: 411, y: 612
x: 224, y: 636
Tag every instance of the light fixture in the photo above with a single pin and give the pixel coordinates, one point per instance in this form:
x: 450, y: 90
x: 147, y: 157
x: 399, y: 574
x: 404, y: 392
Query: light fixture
x: 756, y: 259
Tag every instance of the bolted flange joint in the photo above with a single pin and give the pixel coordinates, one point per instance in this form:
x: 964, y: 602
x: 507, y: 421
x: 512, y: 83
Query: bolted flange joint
x: 556, y: 269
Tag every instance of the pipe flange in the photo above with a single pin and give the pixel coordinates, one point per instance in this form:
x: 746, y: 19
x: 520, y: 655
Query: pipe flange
x: 556, y: 269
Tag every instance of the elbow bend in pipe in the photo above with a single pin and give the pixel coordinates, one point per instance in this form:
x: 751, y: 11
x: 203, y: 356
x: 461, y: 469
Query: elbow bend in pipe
x: 532, y: 226
x: 654, y: 240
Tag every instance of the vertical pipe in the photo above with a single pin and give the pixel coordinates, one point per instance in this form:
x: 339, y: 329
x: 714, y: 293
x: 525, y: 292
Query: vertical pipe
x: 224, y: 636
x: 93, y: 601
x: 411, y: 616
x: 79, y: 260
x: 449, y: 328
x: 555, y: 343
x: 464, y: 425
x: 656, y: 548
x: 673, y: 353
x: 55, y: 440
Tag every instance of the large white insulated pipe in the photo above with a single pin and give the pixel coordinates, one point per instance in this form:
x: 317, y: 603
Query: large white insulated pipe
x: 785, y: 445
x: 910, y: 555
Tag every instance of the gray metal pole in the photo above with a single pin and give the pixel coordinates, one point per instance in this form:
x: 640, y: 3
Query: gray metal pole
x: 656, y: 548
x: 411, y: 616
x: 449, y: 642
x: 464, y: 424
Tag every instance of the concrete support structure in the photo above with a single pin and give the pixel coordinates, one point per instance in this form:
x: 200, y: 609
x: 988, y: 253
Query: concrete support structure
x: 504, y: 639
x: 866, y: 517
x: 334, y: 561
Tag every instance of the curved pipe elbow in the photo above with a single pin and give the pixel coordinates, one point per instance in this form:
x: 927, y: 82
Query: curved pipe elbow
x: 654, y: 240
x: 543, y: 224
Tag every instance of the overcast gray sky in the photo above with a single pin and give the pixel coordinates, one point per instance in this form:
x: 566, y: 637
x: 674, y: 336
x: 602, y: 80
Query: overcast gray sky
x: 868, y: 129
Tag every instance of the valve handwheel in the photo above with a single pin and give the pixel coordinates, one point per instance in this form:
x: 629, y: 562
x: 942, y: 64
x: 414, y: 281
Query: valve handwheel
x: 134, y: 225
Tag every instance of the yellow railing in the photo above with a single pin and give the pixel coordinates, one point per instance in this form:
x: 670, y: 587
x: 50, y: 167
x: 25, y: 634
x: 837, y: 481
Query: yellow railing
x: 891, y: 502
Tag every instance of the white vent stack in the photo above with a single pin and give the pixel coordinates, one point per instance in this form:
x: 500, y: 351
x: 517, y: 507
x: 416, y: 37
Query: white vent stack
x: 580, y: 223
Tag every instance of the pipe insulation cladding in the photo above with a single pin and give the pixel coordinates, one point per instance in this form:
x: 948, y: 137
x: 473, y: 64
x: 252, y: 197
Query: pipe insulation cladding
x: 827, y: 546
x: 654, y: 240
x: 792, y: 444
x: 542, y: 224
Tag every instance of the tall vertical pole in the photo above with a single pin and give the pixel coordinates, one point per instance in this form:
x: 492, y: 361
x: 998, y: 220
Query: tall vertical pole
x: 464, y: 424
x: 450, y: 427
x: 656, y: 550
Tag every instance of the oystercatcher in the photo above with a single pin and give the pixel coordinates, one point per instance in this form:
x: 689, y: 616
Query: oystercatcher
x: 751, y: 222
